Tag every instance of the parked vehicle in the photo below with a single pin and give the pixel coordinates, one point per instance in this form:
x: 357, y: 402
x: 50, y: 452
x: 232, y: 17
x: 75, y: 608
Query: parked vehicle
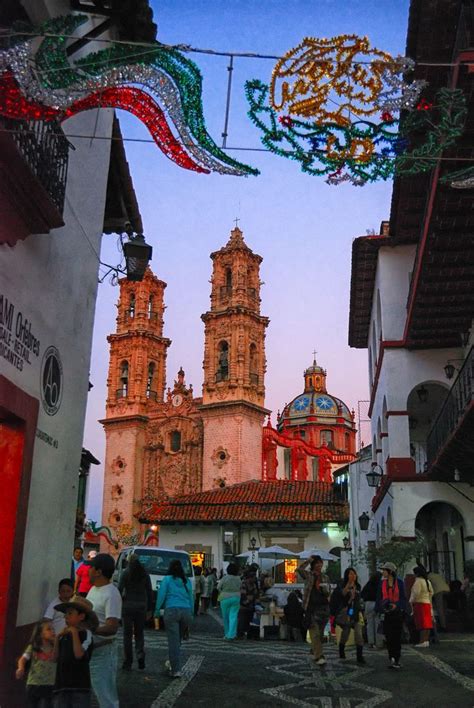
x: 156, y: 561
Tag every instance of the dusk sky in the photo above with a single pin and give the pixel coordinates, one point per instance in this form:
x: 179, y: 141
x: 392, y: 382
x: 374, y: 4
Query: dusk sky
x: 301, y: 226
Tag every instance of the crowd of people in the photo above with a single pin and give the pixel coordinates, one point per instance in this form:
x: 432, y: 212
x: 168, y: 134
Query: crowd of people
x: 73, y: 648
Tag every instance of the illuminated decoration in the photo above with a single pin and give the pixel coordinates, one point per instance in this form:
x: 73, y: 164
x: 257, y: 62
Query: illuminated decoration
x: 291, y: 565
x: 462, y: 179
x: 41, y: 84
x: 150, y: 537
x: 91, y: 529
x: 337, y: 99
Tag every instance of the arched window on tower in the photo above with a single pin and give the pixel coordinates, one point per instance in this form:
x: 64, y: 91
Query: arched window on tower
x: 122, y: 391
x: 131, y: 306
x: 175, y: 441
x: 326, y: 438
x: 150, y: 393
x: 150, y: 307
x: 315, y: 468
x: 347, y: 439
x: 222, y: 372
x: 228, y: 278
x: 253, y: 364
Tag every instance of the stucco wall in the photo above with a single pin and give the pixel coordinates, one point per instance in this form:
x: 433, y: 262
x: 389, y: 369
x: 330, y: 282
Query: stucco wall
x: 52, y: 281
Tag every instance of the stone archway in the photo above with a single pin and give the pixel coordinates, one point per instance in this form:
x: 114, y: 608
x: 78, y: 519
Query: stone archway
x: 442, y: 527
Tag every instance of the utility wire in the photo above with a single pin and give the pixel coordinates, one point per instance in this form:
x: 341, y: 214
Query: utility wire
x: 191, y: 50
x: 244, y: 149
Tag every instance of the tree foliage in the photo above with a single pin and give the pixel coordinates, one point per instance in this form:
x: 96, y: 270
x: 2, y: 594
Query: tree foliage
x: 399, y: 552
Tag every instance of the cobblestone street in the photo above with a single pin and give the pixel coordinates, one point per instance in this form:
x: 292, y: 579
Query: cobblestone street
x: 278, y: 673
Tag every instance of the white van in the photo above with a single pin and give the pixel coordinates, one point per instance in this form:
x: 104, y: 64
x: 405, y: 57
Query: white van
x: 156, y: 561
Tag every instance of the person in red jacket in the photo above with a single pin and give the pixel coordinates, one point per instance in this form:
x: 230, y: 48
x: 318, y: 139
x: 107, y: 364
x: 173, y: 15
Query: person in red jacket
x: 83, y: 584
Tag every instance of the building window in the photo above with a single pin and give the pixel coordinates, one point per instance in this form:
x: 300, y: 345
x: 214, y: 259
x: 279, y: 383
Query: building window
x: 253, y: 364
x: 228, y: 278
x: 131, y: 307
x: 150, y: 306
x: 326, y: 437
x: 122, y: 392
x: 222, y: 373
x: 287, y: 461
x: 315, y: 469
x: 347, y: 438
x: 175, y: 441
x: 150, y: 393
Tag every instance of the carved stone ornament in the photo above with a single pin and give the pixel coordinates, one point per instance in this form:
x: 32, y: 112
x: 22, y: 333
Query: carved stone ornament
x: 117, y: 491
x: 118, y: 465
x: 220, y: 457
x: 115, y: 518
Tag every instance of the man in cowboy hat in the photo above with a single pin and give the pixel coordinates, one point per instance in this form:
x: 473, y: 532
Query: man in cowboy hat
x: 73, y: 648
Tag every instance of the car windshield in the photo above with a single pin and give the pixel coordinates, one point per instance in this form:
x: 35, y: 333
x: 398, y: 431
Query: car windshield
x: 157, y: 562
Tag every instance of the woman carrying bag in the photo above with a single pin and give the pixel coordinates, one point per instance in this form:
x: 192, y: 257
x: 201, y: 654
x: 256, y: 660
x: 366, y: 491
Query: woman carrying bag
x: 176, y: 596
x: 391, y: 602
x: 420, y: 600
x: 346, y: 607
x: 315, y: 604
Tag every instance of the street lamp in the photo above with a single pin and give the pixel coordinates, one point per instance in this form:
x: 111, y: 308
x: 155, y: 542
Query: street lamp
x: 137, y: 256
x: 374, y: 477
x: 449, y: 369
x: 422, y: 393
x: 364, y: 520
x: 346, y: 543
x: 252, y: 548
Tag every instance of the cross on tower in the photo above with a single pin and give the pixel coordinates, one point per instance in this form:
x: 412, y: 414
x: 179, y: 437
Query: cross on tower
x: 314, y: 355
x: 236, y: 221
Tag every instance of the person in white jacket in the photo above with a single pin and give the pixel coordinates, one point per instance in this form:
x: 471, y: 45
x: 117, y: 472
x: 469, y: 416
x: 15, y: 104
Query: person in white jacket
x: 421, y: 602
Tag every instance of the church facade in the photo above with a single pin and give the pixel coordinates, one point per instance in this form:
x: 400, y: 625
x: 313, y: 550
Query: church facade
x: 163, y: 443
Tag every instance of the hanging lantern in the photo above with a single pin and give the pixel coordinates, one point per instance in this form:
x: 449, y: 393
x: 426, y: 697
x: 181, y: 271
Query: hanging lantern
x: 137, y: 256
x: 364, y: 520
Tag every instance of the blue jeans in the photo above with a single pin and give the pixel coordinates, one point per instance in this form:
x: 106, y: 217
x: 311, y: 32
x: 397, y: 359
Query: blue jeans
x: 177, y: 621
x: 103, y: 668
x: 230, y: 610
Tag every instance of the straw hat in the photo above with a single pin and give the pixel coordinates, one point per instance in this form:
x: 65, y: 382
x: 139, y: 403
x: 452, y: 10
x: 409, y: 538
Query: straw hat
x: 80, y: 603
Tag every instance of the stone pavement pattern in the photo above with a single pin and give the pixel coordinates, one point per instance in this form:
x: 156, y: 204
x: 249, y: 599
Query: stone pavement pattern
x: 278, y: 673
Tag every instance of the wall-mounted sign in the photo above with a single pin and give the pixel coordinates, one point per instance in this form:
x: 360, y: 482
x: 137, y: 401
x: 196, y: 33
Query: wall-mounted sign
x: 18, y: 343
x: 51, y: 382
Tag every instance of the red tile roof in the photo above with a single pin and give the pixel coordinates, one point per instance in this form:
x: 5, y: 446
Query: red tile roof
x: 278, y: 501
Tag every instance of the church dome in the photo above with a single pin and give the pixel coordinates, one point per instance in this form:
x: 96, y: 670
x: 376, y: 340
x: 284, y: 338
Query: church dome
x: 315, y: 404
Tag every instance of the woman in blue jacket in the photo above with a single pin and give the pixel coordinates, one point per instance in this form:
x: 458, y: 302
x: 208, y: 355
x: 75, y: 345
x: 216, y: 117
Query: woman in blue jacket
x: 391, y: 602
x: 176, y: 597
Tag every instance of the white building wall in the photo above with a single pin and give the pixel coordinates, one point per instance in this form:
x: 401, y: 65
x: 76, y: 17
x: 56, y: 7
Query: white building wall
x: 52, y: 280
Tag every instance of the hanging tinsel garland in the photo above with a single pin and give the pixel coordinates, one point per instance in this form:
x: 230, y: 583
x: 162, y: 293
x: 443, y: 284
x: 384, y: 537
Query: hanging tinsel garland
x: 330, y: 105
x: 325, y: 86
x: 46, y: 79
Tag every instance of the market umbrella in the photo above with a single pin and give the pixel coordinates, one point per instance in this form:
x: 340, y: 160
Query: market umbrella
x: 325, y: 555
x: 276, y: 553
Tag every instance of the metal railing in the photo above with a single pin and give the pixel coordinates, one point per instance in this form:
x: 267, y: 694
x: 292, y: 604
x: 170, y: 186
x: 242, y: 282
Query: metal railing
x: 254, y: 379
x: 222, y: 375
x: 455, y: 405
x: 121, y: 393
x: 45, y: 149
x: 152, y: 395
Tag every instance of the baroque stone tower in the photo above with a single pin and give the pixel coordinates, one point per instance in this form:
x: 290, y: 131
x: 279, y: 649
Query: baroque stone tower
x: 136, y: 383
x: 234, y: 367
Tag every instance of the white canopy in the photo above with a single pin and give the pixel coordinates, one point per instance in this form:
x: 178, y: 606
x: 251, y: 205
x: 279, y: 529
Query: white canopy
x: 325, y: 555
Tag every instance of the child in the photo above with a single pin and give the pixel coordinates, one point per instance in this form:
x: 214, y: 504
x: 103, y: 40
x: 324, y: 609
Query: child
x: 73, y: 649
x: 42, y: 671
x: 294, y: 615
x: 65, y: 592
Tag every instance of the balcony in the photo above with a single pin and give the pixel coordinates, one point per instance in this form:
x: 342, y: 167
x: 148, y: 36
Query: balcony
x: 33, y: 173
x: 225, y: 291
x: 450, y: 443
